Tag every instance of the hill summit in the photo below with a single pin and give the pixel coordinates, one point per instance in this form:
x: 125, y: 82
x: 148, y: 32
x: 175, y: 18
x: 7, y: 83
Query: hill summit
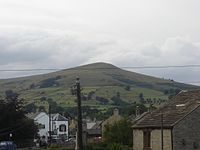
x: 101, y: 82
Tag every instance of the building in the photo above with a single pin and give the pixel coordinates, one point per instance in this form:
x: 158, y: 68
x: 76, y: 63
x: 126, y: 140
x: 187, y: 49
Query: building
x: 72, y: 128
x: 176, y: 124
x: 112, y: 119
x: 41, y: 119
x: 60, y: 126
x: 93, y: 132
x: 58, y: 123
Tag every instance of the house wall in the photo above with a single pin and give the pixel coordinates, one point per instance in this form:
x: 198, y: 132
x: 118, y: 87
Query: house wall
x: 186, y: 133
x: 137, y: 139
x: 58, y: 123
x: 43, y: 119
x: 111, y: 120
x: 155, y: 139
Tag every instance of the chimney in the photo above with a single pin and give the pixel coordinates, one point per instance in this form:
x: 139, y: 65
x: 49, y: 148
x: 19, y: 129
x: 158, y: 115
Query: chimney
x: 137, y: 112
x: 116, y: 112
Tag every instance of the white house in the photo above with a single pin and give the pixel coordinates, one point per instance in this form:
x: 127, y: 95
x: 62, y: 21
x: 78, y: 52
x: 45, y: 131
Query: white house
x: 58, y: 123
x: 60, y: 126
x: 41, y: 119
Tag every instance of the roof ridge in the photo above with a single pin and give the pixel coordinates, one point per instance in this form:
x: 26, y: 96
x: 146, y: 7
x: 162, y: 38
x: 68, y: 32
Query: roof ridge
x: 185, y: 115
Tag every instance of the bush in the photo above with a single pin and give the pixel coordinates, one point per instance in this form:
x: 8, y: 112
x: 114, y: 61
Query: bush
x: 116, y: 146
x: 120, y: 132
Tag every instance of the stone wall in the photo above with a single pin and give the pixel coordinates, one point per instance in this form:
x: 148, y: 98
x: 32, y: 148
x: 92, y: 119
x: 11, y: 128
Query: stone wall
x: 137, y: 139
x: 186, y: 133
x: 155, y: 139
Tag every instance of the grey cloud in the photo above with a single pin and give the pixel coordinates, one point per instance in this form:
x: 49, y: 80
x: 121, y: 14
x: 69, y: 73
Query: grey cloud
x: 34, y: 48
x: 42, y: 47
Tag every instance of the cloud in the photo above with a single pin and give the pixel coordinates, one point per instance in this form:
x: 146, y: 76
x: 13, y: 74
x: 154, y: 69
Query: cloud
x: 22, y: 47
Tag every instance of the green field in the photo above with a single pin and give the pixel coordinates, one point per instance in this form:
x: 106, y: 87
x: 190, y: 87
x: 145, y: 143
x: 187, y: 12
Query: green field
x: 105, y: 80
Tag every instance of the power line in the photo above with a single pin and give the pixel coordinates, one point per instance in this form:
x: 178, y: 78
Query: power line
x: 14, y: 130
x: 106, y: 68
x: 29, y: 70
x: 7, y: 128
x: 97, y: 68
x: 162, y: 67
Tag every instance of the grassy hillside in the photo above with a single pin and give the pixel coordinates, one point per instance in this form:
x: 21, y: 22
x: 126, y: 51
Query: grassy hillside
x: 104, y: 86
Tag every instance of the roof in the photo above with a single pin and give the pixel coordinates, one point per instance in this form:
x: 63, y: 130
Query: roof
x: 93, y: 131
x: 33, y: 115
x: 58, y: 117
x: 178, y: 107
x: 90, y: 124
x: 97, y: 125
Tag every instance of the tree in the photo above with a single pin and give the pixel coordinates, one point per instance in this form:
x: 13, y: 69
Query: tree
x: 102, y: 100
x: 141, y: 96
x: 127, y: 87
x: 120, y: 132
x: 31, y: 108
x: 131, y: 109
x: 118, y: 95
x: 118, y: 101
x: 116, y: 146
x: 13, y: 119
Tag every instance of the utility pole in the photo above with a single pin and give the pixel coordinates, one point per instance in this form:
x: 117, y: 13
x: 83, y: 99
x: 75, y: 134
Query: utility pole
x: 78, y: 94
x: 162, y: 144
x: 49, y: 124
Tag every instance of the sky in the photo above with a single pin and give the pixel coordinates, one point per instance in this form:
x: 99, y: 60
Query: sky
x: 126, y: 33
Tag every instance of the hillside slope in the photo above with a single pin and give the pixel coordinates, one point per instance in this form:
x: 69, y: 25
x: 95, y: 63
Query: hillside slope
x: 99, y: 81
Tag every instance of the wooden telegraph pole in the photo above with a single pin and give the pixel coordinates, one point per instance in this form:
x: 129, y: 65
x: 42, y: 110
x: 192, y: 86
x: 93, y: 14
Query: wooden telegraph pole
x: 49, y: 124
x: 78, y: 94
x: 162, y: 142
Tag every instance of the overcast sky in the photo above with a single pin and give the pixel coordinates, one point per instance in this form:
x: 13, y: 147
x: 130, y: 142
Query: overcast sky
x: 67, y: 33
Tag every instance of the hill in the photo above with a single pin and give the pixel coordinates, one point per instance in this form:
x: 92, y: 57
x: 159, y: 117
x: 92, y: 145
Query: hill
x: 104, y: 86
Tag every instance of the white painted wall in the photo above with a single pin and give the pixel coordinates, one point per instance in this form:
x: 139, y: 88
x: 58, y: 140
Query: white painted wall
x: 57, y: 124
x: 43, y: 119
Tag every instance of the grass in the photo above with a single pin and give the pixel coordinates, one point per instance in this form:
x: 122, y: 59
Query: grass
x: 94, y: 77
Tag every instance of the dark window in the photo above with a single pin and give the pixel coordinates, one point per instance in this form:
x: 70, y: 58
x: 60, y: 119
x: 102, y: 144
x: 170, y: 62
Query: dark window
x: 41, y: 126
x: 147, y: 139
x: 62, y: 128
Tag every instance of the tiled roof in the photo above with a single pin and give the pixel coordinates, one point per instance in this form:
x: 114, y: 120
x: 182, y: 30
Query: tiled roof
x: 178, y: 107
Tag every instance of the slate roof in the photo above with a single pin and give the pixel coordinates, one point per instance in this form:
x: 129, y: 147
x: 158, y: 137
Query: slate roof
x: 58, y: 117
x: 33, y: 115
x: 97, y: 125
x: 94, y: 131
x: 178, y: 107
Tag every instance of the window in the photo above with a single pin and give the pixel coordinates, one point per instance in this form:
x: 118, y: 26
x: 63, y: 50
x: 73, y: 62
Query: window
x: 41, y: 126
x: 147, y: 139
x: 62, y: 128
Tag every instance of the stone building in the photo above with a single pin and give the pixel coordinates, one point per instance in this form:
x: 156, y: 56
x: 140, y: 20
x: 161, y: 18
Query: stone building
x: 93, y: 132
x: 112, y: 119
x: 177, y: 124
